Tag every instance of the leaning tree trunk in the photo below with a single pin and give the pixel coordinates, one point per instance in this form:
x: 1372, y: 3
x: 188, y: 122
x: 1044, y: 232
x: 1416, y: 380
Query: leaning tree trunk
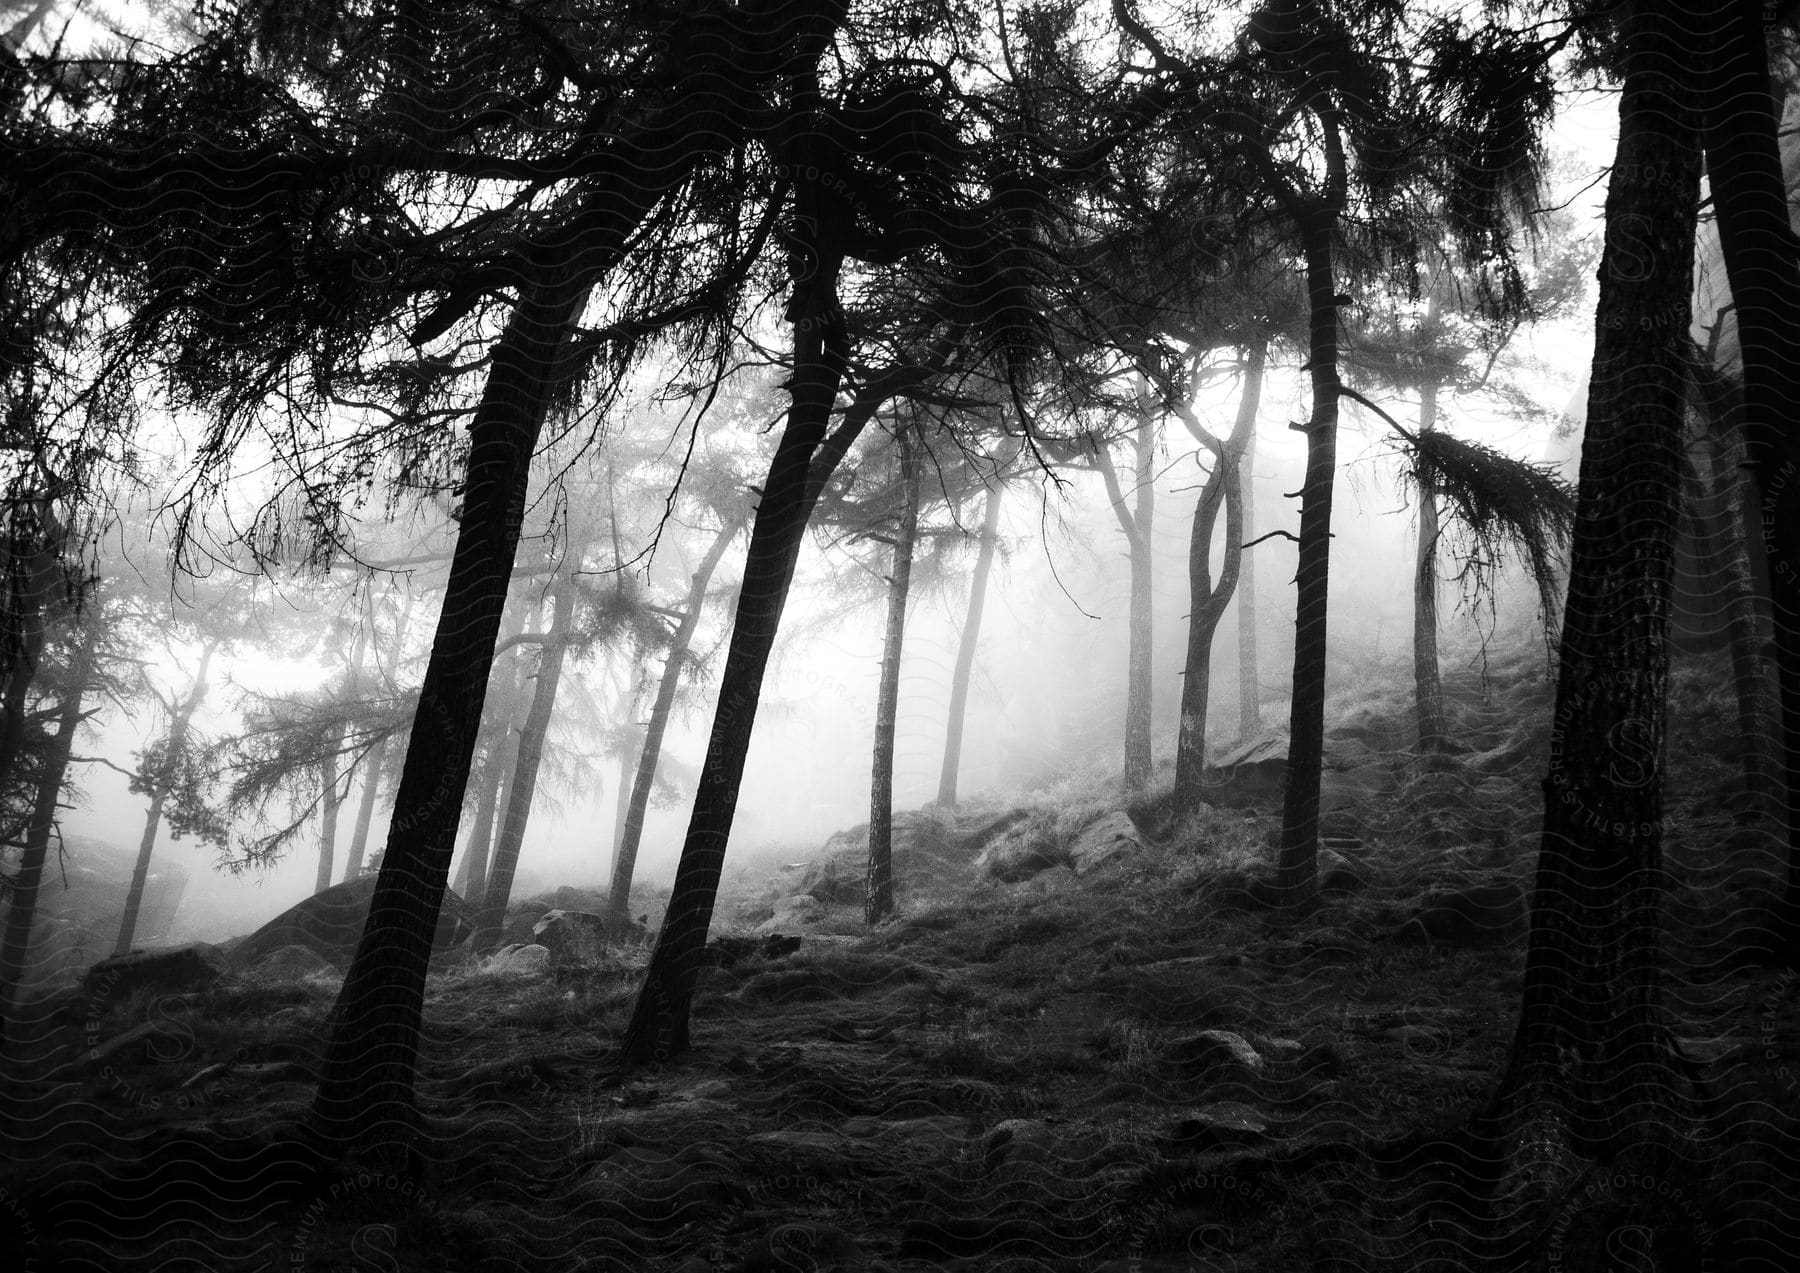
x: 1249, y: 676
x: 159, y: 794
x: 1297, y: 869
x: 371, y: 1055
x: 522, y: 787
x: 650, y: 754
x: 1138, y: 763
x: 659, y: 1022
x: 1762, y: 263
x: 1206, y: 604
x: 1594, y: 1074
x: 28, y: 878
x: 879, y: 895
x: 729, y: 63
x: 965, y: 650
x: 1428, y: 685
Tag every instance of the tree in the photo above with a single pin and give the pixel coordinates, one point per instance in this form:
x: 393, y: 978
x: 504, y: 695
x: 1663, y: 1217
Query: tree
x: 668, y: 686
x: 47, y: 787
x: 879, y: 899
x: 522, y: 786
x: 375, y: 767
x: 971, y: 632
x: 1762, y: 263
x: 1249, y: 676
x: 1594, y: 1073
x: 158, y: 777
x: 1137, y: 523
x: 1207, y: 602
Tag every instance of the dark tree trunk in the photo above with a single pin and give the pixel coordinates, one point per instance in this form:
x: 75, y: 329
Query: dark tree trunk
x: 1297, y: 869
x: 1249, y: 676
x: 32, y: 580
x: 650, y: 753
x: 522, y: 787
x: 371, y: 1056
x: 30, y: 874
x: 471, y: 880
x: 1138, y: 760
x: 879, y: 898
x: 804, y: 461
x: 659, y: 1022
x: 1593, y: 1073
x: 1762, y: 262
x: 727, y: 64
x: 1747, y: 622
x: 965, y: 650
x: 1428, y: 685
x: 177, y: 745
x: 1207, y: 604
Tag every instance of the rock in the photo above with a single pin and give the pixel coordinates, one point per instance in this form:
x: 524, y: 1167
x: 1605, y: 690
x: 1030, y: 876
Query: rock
x: 727, y: 950
x: 1019, y: 1142
x: 330, y: 923
x: 979, y: 836
x: 294, y: 963
x: 803, y: 1246
x: 792, y: 912
x: 1114, y: 836
x: 519, y: 961
x: 1212, y: 1057
x: 1468, y: 917
x: 1224, y: 1124
x: 172, y: 970
x: 835, y: 880
x: 1019, y: 854
x: 581, y: 937
x: 1338, y: 875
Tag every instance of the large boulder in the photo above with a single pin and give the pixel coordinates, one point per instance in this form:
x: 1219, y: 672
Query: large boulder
x: 1112, y: 837
x: 294, y: 963
x: 791, y: 912
x: 519, y: 961
x: 581, y: 937
x: 170, y: 971
x: 330, y: 923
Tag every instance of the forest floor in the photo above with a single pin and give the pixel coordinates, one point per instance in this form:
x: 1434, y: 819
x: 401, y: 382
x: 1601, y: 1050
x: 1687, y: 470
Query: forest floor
x: 1132, y: 1066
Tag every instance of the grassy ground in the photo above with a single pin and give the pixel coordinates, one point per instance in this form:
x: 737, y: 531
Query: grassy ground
x: 1131, y: 1068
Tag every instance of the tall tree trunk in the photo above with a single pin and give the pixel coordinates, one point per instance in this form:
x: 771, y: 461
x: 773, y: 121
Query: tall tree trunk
x: 650, y: 753
x: 1138, y: 761
x: 728, y: 63
x: 1206, y: 604
x: 32, y: 578
x: 1593, y: 1073
x: 371, y: 1056
x: 42, y: 822
x: 159, y: 793
x: 659, y: 1021
x: 1428, y: 685
x: 1249, y: 676
x: 965, y: 650
x: 1762, y: 263
x: 879, y: 897
x: 522, y: 788
x: 1759, y: 711
x: 1297, y: 869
